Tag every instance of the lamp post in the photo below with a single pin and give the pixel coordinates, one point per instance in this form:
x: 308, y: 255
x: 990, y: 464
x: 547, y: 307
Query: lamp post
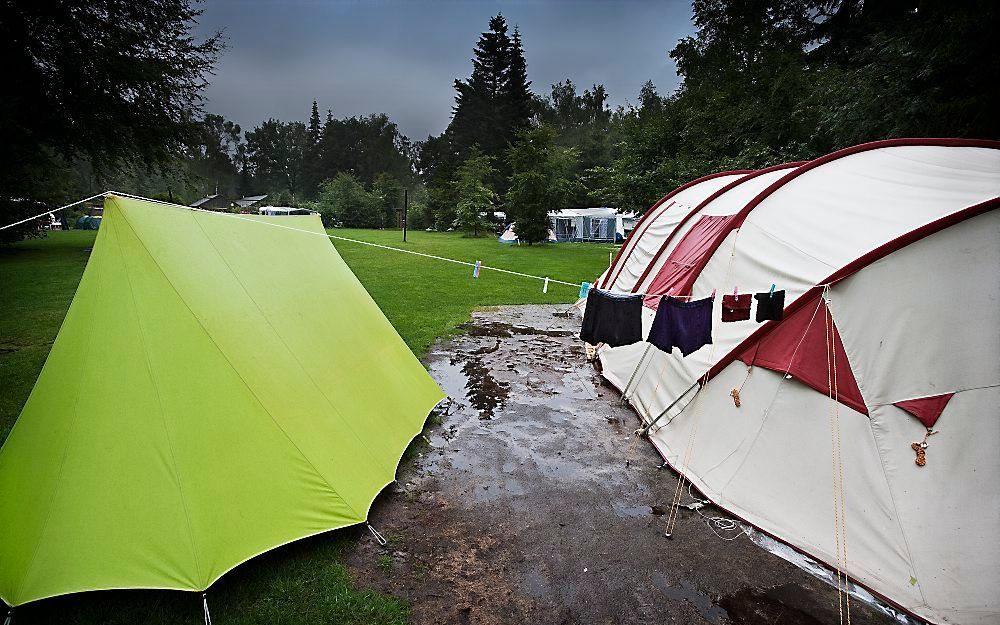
x: 406, y: 202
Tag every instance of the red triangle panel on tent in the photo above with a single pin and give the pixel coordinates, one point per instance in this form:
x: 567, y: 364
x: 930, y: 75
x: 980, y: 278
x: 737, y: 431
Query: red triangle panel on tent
x: 926, y: 409
x: 799, y: 345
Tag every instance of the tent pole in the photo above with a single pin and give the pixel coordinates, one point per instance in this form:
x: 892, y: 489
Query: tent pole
x: 645, y: 430
x: 634, y: 372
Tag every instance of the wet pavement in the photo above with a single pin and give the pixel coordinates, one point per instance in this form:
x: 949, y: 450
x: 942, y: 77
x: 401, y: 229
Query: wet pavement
x: 518, y: 506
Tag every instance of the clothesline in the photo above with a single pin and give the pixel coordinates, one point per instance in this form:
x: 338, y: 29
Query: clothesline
x: 545, y: 279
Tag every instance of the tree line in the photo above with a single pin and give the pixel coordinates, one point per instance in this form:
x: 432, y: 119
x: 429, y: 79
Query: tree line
x: 110, y: 96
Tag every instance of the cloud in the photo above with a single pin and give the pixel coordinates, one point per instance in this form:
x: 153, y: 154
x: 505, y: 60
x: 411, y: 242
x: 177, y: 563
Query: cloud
x: 401, y: 58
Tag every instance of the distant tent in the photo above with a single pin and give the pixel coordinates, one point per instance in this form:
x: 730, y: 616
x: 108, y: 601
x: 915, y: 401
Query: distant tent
x: 218, y: 388
x: 284, y: 210
x: 510, y: 236
x: 905, y: 234
x: 596, y: 225
x: 86, y: 222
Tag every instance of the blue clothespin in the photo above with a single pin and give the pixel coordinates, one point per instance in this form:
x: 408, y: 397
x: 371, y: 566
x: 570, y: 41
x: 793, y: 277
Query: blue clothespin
x: 584, y: 289
x: 772, y: 291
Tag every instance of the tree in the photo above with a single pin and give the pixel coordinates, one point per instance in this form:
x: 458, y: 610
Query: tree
x: 276, y: 152
x: 344, y: 201
x: 365, y: 146
x: 389, y: 193
x: 541, y: 180
x: 493, y: 104
x: 214, y: 159
x: 515, y: 91
x: 110, y: 82
x: 475, y: 198
x: 312, y: 167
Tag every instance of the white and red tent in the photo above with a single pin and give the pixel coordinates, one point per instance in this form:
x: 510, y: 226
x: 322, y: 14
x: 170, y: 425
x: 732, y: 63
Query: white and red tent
x: 889, y: 256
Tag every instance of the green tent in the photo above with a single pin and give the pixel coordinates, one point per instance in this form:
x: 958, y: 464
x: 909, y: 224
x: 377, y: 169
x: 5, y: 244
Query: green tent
x: 220, y: 386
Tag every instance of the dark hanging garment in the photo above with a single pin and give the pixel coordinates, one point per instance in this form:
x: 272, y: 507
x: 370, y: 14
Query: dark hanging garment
x: 736, y: 307
x: 685, y: 325
x: 770, y: 306
x: 612, y: 318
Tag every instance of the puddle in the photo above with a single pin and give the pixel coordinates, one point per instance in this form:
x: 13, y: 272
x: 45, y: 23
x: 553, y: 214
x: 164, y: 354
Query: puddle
x: 750, y: 607
x: 508, y: 330
x: 473, y: 381
x: 688, y: 592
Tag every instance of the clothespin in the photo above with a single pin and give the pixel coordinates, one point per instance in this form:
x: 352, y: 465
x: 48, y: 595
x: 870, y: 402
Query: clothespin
x: 772, y: 290
x: 713, y: 293
x: 736, y: 290
x: 545, y: 286
x: 475, y: 272
x: 584, y: 289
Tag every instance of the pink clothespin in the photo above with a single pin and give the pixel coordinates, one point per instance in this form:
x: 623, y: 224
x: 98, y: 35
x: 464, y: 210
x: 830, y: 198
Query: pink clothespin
x: 735, y: 290
x: 713, y: 293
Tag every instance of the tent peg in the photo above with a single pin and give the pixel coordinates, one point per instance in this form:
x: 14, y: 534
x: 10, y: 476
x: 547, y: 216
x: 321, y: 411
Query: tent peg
x: 378, y: 537
x: 204, y: 605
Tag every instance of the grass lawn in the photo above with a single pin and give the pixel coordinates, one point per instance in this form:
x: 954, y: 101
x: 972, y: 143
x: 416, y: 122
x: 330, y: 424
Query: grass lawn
x: 304, y: 582
x: 426, y: 299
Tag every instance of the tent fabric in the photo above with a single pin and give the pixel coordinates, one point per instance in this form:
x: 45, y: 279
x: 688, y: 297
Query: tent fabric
x: 509, y: 236
x: 926, y: 409
x: 884, y: 224
x: 681, y: 267
x: 657, y: 223
x: 729, y: 199
x: 219, y: 387
x: 807, y: 346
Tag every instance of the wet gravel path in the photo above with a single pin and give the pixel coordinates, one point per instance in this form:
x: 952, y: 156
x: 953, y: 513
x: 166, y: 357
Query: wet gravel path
x: 520, y: 508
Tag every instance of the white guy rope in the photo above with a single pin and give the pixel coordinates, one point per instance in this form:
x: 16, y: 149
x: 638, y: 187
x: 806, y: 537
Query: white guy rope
x: 49, y: 212
x: 575, y: 285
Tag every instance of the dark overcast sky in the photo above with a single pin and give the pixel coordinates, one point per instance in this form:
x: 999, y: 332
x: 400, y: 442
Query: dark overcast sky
x: 401, y: 57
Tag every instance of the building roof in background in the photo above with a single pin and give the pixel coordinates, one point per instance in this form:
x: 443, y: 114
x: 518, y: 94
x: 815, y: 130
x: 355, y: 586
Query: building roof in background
x: 249, y: 200
x: 207, y: 198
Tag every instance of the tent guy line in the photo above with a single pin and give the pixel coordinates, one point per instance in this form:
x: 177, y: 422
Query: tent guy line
x: 575, y: 285
x: 328, y: 235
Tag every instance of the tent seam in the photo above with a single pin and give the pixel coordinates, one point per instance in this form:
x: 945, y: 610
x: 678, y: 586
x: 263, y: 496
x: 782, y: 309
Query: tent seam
x: 895, y: 510
x: 156, y: 390
x: 954, y: 392
x: 238, y: 374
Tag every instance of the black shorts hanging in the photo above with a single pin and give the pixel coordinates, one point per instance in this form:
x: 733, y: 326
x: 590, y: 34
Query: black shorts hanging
x: 770, y: 306
x: 612, y: 318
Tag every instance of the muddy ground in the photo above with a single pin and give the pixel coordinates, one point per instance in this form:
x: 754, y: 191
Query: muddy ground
x: 521, y: 509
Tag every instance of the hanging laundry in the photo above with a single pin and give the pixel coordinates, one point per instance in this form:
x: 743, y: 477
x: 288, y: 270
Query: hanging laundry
x: 736, y: 307
x: 612, y: 318
x: 770, y: 306
x: 685, y: 325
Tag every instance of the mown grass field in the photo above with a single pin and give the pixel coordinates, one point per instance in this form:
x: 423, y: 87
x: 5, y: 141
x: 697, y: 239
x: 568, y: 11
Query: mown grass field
x: 304, y: 582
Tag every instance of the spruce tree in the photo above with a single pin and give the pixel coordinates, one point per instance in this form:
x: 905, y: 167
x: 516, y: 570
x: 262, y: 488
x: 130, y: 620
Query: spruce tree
x: 314, y: 129
x: 515, y: 94
x: 312, y: 166
x: 479, y: 113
